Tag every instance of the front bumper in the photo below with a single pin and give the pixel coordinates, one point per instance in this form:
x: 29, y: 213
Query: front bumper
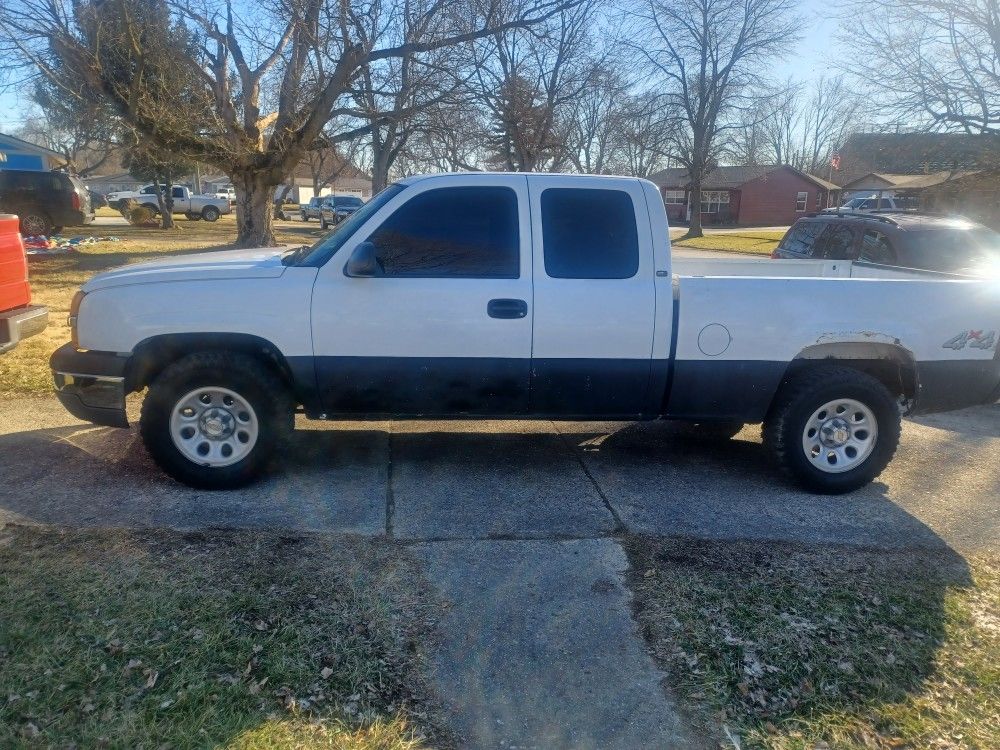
x: 20, y: 324
x: 91, y: 385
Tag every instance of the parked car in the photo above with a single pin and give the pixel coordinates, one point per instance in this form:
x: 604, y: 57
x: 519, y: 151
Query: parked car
x: 227, y: 193
x: 336, y: 208
x: 486, y: 295
x: 45, y: 201
x: 908, y: 240
x: 194, y: 207
x: 19, y: 319
x: 311, y: 210
x: 875, y: 203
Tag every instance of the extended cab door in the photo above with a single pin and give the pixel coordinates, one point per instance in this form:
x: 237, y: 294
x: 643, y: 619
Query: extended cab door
x: 594, y: 295
x: 444, y: 325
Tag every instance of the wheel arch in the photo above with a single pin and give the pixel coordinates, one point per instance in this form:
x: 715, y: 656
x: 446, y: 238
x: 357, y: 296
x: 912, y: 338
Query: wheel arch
x: 891, y: 364
x: 152, y: 355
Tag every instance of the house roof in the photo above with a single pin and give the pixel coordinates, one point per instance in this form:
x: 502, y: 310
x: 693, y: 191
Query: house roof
x: 863, y: 154
x: 29, y: 146
x: 729, y: 178
x: 910, y: 181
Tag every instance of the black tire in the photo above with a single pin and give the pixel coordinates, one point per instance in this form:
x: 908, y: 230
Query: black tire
x: 34, y: 222
x: 322, y: 223
x: 797, y: 401
x: 304, y: 217
x: 246, y: 376
x: 152, y: 207
x: 210, y: 213
x: 708, y: 431
x: 191, y: 216
x: 56, y: 229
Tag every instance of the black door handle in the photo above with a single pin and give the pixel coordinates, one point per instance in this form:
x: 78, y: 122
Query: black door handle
x: 507, y: 308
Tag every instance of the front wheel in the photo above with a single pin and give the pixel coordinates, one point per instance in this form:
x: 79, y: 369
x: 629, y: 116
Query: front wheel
x: 304, y: 216
x: 210, y: 213
x: 322, y: 223
x: 35, y: 223
x: 833, y: 428
x: 212, y: 420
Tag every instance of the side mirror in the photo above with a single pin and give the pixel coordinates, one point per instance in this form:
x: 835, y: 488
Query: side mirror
x: 363, y: 262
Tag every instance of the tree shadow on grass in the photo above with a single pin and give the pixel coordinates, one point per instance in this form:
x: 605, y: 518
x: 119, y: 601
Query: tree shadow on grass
x: 151, y: 639
x: 787, y: 645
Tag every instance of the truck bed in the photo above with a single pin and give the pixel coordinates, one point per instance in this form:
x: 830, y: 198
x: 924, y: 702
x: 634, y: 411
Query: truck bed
x: 818, y: 269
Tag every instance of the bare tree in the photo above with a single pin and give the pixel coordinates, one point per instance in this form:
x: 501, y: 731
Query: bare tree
x: 706, y: 56
x: 932, y: 61
x: 597, y: 121
x: 267, y: 77
x: 782, y: 125
x: 833, y: 110
x: 527, y: 81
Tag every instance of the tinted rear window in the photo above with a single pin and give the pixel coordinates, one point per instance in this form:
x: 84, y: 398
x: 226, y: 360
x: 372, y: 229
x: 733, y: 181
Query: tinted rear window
x: 950, y: 249
x: 589, y: 234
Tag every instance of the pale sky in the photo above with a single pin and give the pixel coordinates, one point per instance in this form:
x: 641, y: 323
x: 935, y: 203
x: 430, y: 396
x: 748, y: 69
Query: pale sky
x: 811, y: 57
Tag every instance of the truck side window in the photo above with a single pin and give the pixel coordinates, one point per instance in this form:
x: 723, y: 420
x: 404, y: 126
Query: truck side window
x: 801, y: 238
x: 469, y: 232
x: 875, y: 248
x: 589, y: 234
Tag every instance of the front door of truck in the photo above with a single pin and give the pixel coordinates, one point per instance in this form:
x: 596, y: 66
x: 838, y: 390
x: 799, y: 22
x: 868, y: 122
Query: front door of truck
x: 594, y: 297
x: 439, y: 321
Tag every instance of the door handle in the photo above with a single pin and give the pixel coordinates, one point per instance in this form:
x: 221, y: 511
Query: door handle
x: 506, y: 308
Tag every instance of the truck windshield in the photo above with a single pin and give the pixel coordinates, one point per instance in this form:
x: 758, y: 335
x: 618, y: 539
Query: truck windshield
x: 347, y: 202
x: 323, y: 250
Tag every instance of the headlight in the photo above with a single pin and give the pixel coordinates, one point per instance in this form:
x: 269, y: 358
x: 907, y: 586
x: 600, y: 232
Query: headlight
x: 74, y: 312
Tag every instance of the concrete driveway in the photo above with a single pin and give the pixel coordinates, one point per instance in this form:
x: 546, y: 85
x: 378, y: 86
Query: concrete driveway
x: 514, y: 479
x: 517, y: 524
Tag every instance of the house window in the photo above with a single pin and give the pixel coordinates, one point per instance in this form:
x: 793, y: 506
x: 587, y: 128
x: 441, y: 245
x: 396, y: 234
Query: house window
x: 801, y: 199
x: 819, y: 199
x: 674, y: 197
x: 714, y: 201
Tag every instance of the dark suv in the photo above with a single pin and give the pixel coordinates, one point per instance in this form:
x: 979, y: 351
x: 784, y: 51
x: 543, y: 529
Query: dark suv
x: 44, y: 201
x: 895, y: 238
x: 336, y: 208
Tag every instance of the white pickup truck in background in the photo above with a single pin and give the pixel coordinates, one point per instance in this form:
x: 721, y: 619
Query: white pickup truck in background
x: 523, y: 296
x: 194, y: 207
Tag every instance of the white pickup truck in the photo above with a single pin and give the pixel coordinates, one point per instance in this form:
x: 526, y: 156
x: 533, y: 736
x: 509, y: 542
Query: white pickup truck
x: 194, y: 207
x: 522, y: 295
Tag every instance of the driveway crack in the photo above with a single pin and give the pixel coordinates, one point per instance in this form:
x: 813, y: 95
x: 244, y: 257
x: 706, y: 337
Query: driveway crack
x: 619, y: 524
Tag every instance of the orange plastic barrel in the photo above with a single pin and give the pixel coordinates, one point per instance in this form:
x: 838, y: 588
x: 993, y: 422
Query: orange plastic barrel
x: 14, y: 288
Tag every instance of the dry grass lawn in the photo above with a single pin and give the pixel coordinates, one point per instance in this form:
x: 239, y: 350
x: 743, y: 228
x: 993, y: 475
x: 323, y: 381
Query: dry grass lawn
x: 238, y: 640
x: 813, y: 648
x: 750, y: 242
x: 55, y: 280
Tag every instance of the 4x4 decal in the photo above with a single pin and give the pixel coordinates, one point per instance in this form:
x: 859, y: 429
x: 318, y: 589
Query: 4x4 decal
x: 973, y: 339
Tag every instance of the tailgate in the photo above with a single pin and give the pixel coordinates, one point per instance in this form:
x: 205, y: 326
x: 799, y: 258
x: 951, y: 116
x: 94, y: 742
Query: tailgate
x: 14, y: 289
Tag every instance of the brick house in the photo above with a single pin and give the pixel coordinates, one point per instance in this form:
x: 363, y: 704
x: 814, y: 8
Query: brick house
x: 759, y: 195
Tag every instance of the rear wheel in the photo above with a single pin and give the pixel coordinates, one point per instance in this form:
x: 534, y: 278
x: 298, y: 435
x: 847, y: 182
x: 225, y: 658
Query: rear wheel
x: 35, y: 223
x: 210, y: 213
x: 192, y: 216
x: 833, y: 428
x: 212, y: 420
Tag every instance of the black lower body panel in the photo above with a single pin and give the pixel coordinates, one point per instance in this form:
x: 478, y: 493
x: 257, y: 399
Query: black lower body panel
x: 91, y: 385
x: 945, y: 385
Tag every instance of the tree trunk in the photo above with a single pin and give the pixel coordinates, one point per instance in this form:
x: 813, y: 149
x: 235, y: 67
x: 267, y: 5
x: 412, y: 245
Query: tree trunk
x: 694, y: 226
x: 254, y: 209
x: 167, y: 220
x: 380, y: 163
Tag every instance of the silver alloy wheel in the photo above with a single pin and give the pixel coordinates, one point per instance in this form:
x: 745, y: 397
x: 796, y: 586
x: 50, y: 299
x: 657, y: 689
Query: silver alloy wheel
x: 214, y: 426
x: 33, y: 225
x: 840, y: 435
